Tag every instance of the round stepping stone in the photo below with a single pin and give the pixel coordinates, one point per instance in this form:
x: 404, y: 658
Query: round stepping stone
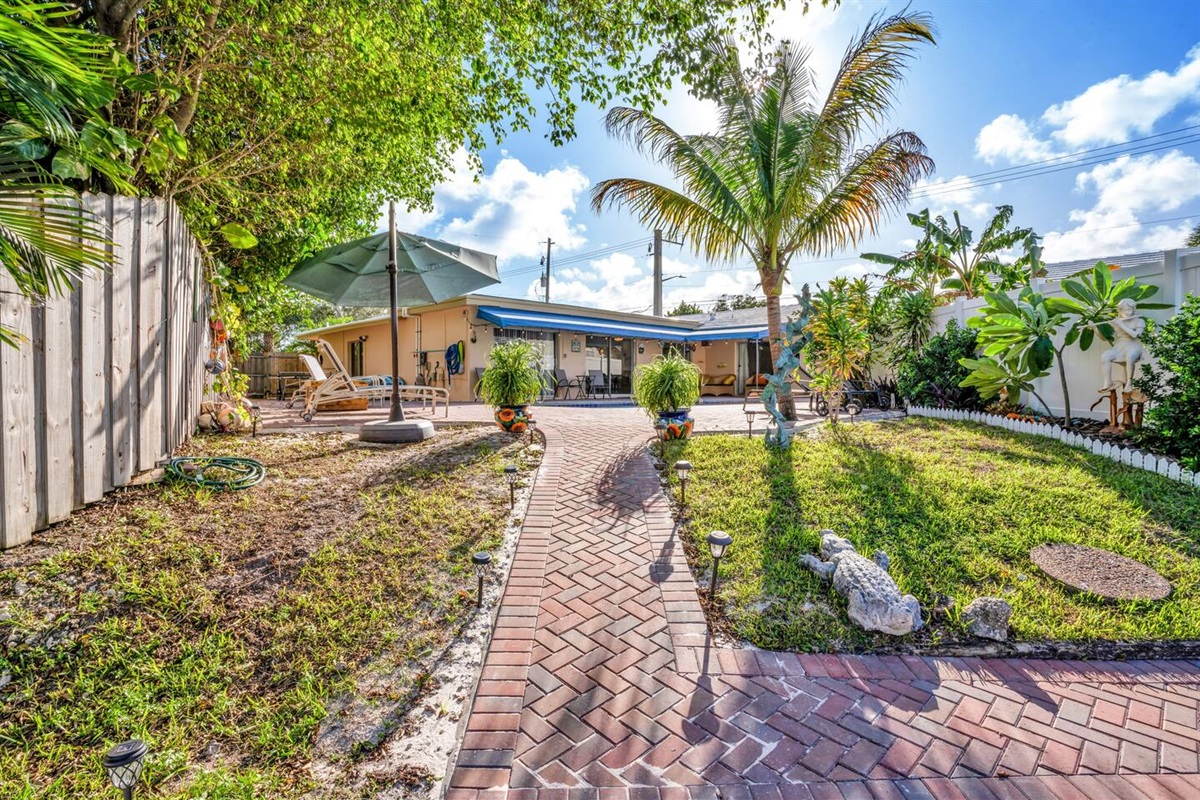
x: 1101, y: 572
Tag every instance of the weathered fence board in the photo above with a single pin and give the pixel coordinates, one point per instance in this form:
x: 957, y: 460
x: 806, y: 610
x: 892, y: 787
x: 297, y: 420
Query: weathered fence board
x: 109, y: 378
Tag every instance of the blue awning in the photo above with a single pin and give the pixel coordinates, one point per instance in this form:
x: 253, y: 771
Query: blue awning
x: 540, y: 320
x: 725, y: 334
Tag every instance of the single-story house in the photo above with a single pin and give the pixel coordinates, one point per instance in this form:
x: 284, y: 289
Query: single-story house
x: 729, y: 347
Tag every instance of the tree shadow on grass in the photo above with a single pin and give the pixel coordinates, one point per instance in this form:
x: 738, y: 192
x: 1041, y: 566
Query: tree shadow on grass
x: 885, y: 505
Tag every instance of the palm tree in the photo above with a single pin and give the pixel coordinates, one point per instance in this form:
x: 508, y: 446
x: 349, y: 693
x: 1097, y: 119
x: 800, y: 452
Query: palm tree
x: 786, y: 172
x: 54, y: 78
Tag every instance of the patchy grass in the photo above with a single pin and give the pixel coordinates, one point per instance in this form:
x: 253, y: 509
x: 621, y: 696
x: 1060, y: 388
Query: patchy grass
x: 220, y: 627
x: 958, y: 507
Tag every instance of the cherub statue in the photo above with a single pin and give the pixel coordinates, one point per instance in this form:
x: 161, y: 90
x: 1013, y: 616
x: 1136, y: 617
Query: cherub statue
x: 1127, y: 327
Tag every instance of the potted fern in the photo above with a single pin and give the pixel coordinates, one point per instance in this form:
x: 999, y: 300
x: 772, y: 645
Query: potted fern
x: 667, y: 387
x: 512, y: 381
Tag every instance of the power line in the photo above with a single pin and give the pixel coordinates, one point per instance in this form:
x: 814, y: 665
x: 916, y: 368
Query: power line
x: 1022, y: 172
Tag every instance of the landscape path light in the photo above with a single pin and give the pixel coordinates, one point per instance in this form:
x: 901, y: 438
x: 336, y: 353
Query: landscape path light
x: 124, y: 763
x: 660, y: 430
x: 482, y: 561
x: 750, y: 423
x: 532, y: 428
x: 682, y: 468
x: 510, y: 475
x: 718, y: 542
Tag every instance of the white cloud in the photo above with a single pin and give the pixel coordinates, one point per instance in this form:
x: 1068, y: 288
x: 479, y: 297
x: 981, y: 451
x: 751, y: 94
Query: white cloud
x: 944, y: 196
x: 1109, y: 112
x: 509, y: 210
x: 1125, y: 190
x: 1112, y: 111
x: 1010, y: 138
x: 517, y: 208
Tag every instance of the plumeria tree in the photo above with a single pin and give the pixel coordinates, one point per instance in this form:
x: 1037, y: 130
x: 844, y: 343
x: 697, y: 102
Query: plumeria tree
x: 787, y: 171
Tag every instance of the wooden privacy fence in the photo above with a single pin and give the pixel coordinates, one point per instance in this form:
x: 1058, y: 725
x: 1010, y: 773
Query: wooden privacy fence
x: 110, y: 377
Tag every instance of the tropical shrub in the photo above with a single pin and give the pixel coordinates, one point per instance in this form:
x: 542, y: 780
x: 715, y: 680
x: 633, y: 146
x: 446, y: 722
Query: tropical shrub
x: 513, y: 376
x: 1173, y: 386
x: 839, y: 348
x: 933, y: 375
x: 668, y: 383
x: 1005, y: 378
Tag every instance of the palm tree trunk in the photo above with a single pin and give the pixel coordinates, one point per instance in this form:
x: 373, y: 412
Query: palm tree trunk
x: 771, y: 285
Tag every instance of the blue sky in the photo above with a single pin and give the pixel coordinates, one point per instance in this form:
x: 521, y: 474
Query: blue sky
x: 1009, y: 83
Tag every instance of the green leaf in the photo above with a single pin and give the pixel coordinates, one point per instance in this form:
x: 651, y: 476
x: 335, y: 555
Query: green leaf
x: 238, y: 236
x: 68, y: 166
x: 1086, y: 338
x: 1042, y: 353
x: 170, y: 136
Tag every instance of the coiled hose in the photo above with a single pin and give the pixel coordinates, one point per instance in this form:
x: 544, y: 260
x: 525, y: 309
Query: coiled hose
x: 231, y: 473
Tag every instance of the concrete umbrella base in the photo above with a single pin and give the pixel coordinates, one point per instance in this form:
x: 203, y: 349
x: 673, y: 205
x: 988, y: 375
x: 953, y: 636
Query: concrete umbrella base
x: 404, y: 432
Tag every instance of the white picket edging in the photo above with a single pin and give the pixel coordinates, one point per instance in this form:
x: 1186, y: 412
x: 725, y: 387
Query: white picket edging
x: 1123, y: 455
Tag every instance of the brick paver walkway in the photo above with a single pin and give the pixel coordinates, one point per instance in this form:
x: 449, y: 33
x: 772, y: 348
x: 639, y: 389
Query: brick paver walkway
x: 601, y: 683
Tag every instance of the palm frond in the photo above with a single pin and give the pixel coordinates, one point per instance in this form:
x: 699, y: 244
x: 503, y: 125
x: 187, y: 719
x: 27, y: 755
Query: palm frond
x: 877, y: 180
x: 873, y: 66
x: 708, y: 232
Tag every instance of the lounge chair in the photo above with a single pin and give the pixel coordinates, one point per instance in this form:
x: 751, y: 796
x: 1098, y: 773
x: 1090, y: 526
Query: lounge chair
x: 339, y: 386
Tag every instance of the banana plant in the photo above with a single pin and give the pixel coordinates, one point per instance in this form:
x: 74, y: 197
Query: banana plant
x: 949, y: 258
x: 1093, y: 298
x: 1022, y: 331
x: 994, y: 376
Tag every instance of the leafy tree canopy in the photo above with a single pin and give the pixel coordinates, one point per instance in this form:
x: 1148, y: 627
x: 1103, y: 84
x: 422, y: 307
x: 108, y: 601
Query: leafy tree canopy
x: 296, y: 120
x: 739, y: 301
x: 683, y: 308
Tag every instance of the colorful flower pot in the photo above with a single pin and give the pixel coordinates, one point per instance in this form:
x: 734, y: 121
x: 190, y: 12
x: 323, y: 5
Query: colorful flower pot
x: 513, y: 419
x: 678, y: 424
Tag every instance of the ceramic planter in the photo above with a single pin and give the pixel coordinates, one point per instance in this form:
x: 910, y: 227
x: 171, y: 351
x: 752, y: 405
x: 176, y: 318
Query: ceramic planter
x: 513, y: 419
x: 678, y: 424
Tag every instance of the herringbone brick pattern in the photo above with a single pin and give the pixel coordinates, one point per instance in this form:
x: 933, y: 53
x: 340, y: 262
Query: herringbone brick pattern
x: 602, y: 684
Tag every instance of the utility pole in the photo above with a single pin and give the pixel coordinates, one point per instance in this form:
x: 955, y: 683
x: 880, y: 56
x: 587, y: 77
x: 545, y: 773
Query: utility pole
x: 546, y: 264
x: 658, y: 276
x: 658, y: 281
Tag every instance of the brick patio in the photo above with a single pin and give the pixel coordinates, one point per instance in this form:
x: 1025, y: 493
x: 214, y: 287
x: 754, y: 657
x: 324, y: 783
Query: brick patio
x: 601, y: 681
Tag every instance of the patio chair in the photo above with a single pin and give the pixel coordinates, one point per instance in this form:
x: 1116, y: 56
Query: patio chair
x: 564, y: 385
x: 598, y: 383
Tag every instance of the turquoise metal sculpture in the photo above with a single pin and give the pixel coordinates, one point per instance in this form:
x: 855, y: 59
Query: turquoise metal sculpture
x: 779, y: 382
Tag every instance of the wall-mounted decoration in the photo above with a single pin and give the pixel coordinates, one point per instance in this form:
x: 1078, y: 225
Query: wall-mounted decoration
x: 575, y: 346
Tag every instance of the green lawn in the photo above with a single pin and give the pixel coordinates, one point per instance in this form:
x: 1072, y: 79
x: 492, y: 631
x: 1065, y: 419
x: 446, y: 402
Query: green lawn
x: 958, y: 507
x: 218, y: 627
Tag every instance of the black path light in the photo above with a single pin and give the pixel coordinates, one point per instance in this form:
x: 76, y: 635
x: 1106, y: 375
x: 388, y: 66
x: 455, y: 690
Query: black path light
x: 750, y: 423
x: 660, y: 430
x: 682, y: 468
x: 123, y: 764
x: 482, y: 561
x: 718, y: 541
x: 510, y: 475
x: 532, y: 424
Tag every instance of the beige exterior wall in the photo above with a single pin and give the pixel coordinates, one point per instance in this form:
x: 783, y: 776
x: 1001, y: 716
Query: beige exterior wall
x: 435, y: 329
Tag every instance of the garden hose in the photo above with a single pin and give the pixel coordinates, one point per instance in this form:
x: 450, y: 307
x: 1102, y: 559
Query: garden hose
x: 236, y: 473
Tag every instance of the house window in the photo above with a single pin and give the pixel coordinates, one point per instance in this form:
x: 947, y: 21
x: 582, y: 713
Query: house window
x: 356, y: 358
x: 545, y: 342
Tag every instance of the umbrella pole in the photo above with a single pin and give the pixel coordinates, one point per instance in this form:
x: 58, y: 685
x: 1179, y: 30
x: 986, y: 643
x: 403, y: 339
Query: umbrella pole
x: 396, y: 414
